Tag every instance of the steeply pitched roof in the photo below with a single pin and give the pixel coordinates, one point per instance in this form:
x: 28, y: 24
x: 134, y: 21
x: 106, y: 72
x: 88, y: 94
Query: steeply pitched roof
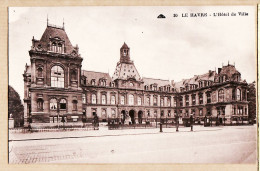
x: 125, y: 71
x: 229, y: 70
x: 209, y: 76
x: 159, y: 82
x: 55, y: 32
x: 124, y: 46
x: 96, y: 75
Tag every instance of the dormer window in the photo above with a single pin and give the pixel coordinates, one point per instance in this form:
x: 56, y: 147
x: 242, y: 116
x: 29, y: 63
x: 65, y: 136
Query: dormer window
x: 93, y: 82
x: 59, y: 48
x: 56, y: 47
x: 53, y: 47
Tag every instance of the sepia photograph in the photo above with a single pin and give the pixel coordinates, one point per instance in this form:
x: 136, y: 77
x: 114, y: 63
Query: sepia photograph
x: 132, y: 84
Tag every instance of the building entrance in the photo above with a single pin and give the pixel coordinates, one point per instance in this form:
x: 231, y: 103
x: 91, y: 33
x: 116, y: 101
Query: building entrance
x: 140, y: 117
x: 132, y: 115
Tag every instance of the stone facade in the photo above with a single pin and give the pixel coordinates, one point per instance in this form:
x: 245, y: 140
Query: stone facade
x: 56, y: 88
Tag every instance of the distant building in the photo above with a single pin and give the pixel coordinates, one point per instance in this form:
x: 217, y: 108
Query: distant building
x: 56, y: 87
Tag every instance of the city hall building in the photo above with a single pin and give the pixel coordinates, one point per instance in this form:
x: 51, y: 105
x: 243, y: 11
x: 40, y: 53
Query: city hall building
x: 56, y: 87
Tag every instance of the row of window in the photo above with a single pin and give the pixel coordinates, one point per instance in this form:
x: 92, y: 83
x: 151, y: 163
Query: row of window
x: 54, y: 104
x: 113, y: 99
x: 153, y: 87
x: 221, y: 97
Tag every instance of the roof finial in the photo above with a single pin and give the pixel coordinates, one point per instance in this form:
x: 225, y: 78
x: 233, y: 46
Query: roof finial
x: 63, y: 24
x: 234, y: 64
x: 47, y: 20
x: 228, y: 62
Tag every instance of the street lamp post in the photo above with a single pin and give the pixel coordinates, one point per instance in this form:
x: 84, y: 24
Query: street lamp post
x: 160, y: 117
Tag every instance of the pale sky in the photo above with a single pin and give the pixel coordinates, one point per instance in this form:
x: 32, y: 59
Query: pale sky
x: 171, y: 48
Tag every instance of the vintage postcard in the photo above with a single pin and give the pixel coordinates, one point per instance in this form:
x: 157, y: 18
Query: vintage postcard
x: 132, y: 84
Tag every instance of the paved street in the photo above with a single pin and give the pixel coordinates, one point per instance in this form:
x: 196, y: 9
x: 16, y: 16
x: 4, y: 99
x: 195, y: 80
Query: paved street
x: 230, y: 144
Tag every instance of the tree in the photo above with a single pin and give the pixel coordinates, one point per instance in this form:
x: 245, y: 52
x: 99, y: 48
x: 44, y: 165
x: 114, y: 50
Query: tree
x: 251, y: 97
x: 15, y: 107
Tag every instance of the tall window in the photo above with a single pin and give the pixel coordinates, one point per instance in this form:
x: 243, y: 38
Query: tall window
x: 139, y: 101
x: 155, y: 101
x: 148, y: 101
x: 73, y: 75
x: 201, y: 98
x: 122, y: 100
x: 168, y: 102
x: 40, y: 104
x: 162, y: 101
x: 131, y: 99
x: 113, y: 99
x: 39, y: 71
x: 93, y: 99
x: 57, y: 77
x: 53, y: 104
x: 54, y: 47
x: 187, y: 100
x: 59, y: 47
x: 200, y: 112
x: 103, y: 99
x: 63, y: 104
x: 208, y: 97
x: 238, y: 94
x: 181, y: 101
x: 113, y: 113
x: 193, y: 99
x: 155, y: 113
x: 221, y: 95
x: 83, y: 98
x: 75, y: 103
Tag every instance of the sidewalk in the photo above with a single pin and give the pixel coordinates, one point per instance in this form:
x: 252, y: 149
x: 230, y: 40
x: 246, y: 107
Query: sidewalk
x: 103, y: 131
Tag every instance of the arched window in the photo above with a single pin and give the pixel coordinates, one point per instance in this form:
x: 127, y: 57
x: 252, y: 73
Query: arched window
x: 57, y: 77
x: 103, y: 99
x: 39, y: 72
x: 139, y: 101
x: 122, y: 100
x: 238, y: 94
x: 53, y: 104
x: 221, y: 95
x: 74, y: 104
x: 113, y: 99
x: 93, y: 99
x: 131, y: 99
x: 40, y: 104
x: 63, y: 104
